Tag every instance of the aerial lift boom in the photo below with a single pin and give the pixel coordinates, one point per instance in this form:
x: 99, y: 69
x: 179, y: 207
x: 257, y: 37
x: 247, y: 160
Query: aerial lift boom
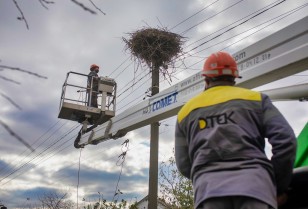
x: 277, y: 56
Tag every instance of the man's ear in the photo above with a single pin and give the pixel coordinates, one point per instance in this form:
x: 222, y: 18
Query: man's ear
x: 207, y: 83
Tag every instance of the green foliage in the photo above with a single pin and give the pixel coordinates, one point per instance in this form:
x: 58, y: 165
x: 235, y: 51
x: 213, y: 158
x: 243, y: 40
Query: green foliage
x: 111, y: 205
x: 176, y: 189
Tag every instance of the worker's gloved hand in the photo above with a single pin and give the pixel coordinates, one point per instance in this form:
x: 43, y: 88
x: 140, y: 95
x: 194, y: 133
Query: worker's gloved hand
x: 282, y: 199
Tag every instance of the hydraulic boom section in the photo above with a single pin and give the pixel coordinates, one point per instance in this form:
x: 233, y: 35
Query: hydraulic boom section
x: 277, y: 56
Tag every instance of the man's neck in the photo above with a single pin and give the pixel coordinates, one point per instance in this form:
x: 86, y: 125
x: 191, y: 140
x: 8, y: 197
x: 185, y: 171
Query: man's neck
x: 220, y: 83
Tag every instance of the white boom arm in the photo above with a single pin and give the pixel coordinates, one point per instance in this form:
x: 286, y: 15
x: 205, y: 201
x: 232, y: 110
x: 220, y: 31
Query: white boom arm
x: 279, y: 55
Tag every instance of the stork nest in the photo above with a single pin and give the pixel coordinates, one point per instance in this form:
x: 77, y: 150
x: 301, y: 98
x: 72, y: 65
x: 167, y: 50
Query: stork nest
x: 155, y: 47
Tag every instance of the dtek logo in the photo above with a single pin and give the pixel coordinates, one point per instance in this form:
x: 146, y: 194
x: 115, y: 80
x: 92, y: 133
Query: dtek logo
x: 212, y: 121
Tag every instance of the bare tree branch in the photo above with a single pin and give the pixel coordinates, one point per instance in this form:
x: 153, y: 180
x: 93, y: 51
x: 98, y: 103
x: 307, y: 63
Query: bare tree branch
x: 60, y: 200
x: 43, y: 2
x: 10, y: 80
x: 11, y: 101
x: 24, y: 71
x: 22, y: 18
x: 46, y: 2
x: 55, y: 200
x: 97, y: 7
x: 84, y: 7
x: 7, y: 128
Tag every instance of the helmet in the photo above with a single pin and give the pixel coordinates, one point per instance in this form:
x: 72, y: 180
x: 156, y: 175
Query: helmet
x: 92, y: 67
x: 220, y: 64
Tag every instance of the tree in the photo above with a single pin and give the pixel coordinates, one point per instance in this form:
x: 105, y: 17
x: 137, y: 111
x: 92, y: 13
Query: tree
x: 176, y: 189
x: 55, y: 200
x: 111, y: 205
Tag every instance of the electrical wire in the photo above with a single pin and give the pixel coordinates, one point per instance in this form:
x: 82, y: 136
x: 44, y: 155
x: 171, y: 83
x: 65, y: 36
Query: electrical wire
x: 21, y: 161
x: 123, y: 70
x: 270, y: 6
x: 36, y: 156
x: 7, y: 165
x: 280, y: 17
x: 120, y: 162
x: 122, y: 63
x: 204, y: 8
x: 78, y: 175
x: 229, y: 7
x: 131, y: 81
x: 202, y: 59
x: 241, y: 23
x: 133, y: 84
x: 284, y: 15
x: 233, y: 23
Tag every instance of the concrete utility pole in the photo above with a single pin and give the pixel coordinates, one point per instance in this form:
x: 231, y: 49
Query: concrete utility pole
x: 154, y: 145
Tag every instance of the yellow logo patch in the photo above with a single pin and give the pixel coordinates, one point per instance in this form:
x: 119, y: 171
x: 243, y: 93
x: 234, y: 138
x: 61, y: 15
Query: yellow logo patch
x: 202, y: 123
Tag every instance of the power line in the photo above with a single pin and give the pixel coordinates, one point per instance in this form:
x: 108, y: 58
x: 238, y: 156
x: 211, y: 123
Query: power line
x: 123, y: 70
x: 94, y: 155
x: 232, y: 23
x: 37, y: 155
x: 7, y: 165
x: 118, y: 67
x: 183, y: 32
x: 78, y: 176
x: 286, y: 15
x: 279, y: 17
x: 241, y: 23
x: 211, y: 17
x: 133, y: 84
x: 120, y: 162
x: 21, y: 161
x: 204, y: 8
x: 131, y: 81
x: 259, y: 13
x: 173, y: 27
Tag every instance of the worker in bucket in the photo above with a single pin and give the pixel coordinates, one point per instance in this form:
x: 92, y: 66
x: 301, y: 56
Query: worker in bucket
x: 93, y: 80
x: 220, y: 143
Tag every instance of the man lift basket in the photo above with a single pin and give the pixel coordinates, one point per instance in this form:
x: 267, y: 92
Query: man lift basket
x: 75, y: 101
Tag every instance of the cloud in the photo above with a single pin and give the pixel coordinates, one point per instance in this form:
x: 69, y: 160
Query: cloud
x: 93, y: 180
x: 27, y: 197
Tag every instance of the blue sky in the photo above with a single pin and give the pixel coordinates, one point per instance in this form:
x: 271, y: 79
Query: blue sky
x: 65, y: 38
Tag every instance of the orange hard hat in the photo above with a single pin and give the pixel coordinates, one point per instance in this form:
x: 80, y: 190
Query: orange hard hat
x: 92, y: 67
x: 220, y: 64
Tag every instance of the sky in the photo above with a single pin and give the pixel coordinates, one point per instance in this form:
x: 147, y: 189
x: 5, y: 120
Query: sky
x: 65, y: 37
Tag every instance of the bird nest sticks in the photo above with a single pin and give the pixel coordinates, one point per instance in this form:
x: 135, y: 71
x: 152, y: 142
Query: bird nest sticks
x: 155, y: 47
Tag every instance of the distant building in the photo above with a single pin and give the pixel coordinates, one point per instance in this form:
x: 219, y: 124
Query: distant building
x: 143, y: 204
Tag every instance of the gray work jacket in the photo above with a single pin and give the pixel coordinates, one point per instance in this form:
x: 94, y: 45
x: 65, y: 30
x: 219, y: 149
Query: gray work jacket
x: 220, y: 140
